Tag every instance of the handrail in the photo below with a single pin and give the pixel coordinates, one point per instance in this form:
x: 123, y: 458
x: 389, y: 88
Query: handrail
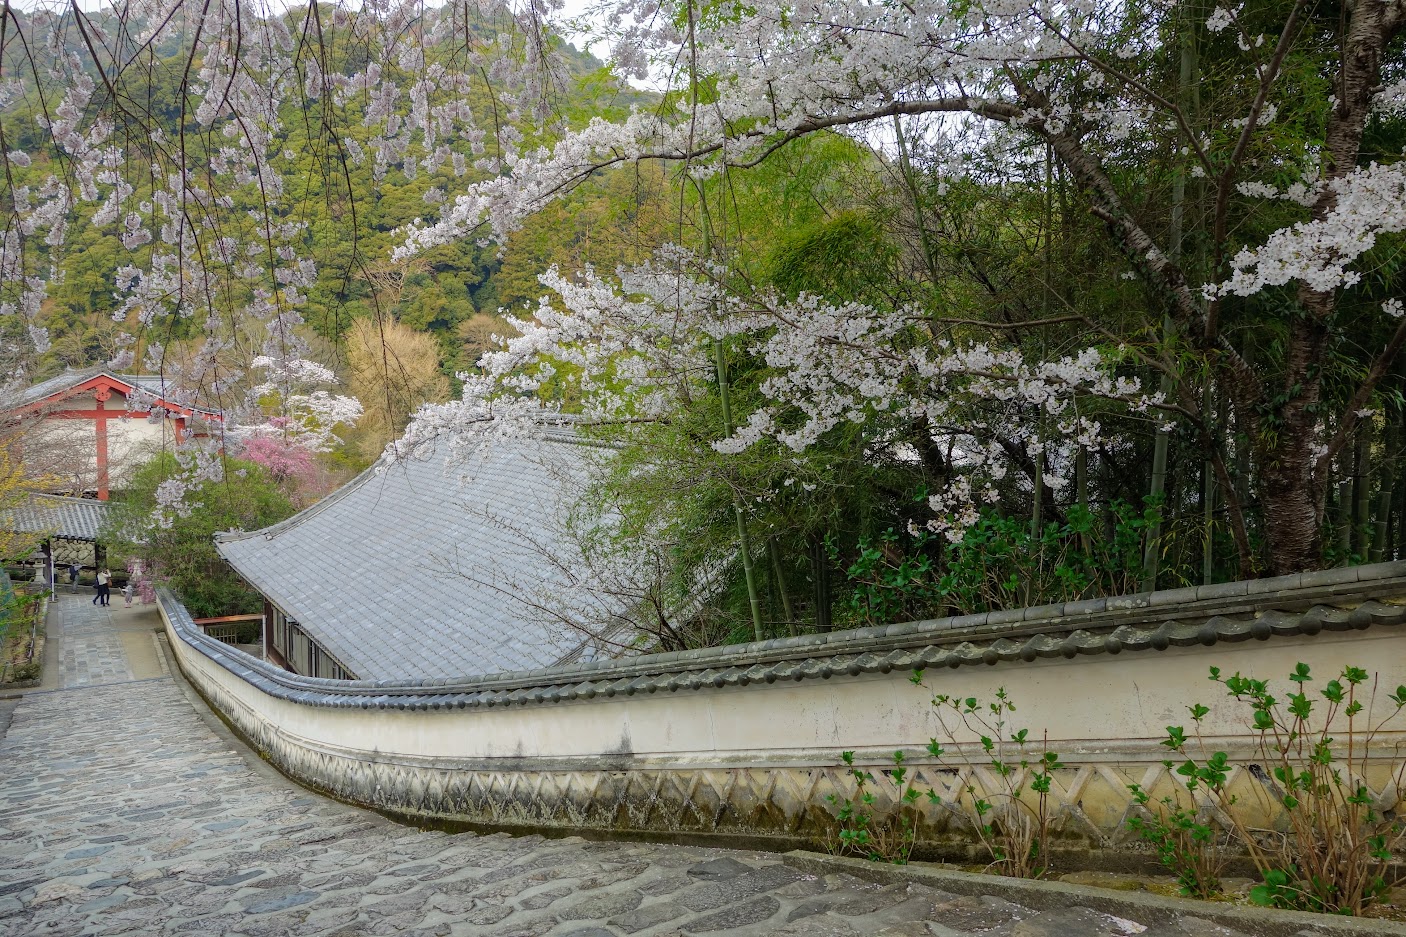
x: 1231, y: 612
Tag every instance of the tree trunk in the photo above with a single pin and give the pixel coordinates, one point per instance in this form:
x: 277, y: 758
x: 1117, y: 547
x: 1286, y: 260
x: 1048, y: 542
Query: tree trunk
x: 1293, y: 499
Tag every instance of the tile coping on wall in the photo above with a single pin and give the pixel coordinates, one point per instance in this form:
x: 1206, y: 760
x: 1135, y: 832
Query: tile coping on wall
x: 1346, y: 599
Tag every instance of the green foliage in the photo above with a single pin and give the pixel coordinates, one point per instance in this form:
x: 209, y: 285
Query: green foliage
x: 1184, y: 843
x: 1010, y: 820
x: 845, y: 259
x: 997, y: 564
x: 1337, y: 855
x: 183, y: 555
x: 861, y: 832
x: 18, y: 612
x: 1015, y: 831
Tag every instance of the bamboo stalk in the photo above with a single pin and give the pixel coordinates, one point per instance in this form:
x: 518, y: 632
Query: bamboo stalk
x: 1343, y: 517
x: 1361, y: 492
x: 780, y: 581
x: 743, y: 538
x: 1208, y: 497
x: 1391, y: 453
x: 1081, y: 494
x: 820, y: 583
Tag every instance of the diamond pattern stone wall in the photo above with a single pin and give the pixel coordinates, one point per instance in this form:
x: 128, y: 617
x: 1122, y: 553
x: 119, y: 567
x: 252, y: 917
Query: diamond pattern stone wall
x: 1089, y: 802
x: 711, y: 766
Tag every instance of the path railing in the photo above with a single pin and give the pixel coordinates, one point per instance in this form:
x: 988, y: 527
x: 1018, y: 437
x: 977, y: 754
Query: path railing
x: 228, y: 628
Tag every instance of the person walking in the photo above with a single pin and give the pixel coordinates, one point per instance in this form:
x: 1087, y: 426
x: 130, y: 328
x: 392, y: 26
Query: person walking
x: 72, y: 577
x: 127, y: 591
x: 104, y: 588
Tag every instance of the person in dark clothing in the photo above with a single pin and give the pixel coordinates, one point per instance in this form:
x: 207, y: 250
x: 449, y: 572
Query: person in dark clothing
x: 73, y: 577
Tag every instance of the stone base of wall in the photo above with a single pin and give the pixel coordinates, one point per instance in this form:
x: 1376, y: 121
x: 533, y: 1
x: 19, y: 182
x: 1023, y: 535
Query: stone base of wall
x: 751, y: 753
x: 777, y: 806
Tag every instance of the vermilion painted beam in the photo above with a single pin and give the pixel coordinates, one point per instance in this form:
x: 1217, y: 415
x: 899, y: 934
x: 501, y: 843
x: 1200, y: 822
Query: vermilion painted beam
x: 103, y: 382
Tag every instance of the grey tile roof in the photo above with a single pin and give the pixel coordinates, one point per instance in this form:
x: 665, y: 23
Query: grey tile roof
x: 57, y: 383
x: 58, y: 517
x: 369, y: 571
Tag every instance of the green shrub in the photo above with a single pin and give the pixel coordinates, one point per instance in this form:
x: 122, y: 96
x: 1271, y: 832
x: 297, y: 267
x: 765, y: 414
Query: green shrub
x: 1014, y: 831
x: 181, y: 550
x: 997, y: 564
x: 1336, y: 853
x: 1185, y: 844
x: 861, y: 832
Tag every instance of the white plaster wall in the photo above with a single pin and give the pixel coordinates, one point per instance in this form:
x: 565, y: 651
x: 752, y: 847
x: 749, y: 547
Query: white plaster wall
x: 132, y: 442
x: 1096, y: 710
x: 62, y: 449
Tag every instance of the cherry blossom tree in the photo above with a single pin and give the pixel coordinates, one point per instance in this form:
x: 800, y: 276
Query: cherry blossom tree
x: 1261, y: 261
x: 1075, y: 79
x: 295, y: 419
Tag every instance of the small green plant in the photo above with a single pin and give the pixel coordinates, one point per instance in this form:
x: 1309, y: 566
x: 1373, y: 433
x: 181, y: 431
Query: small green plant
x: 1185, y: 845
x: 1013, y: 820
x: 29, y: 670
x: 1312, y: 748
x: 880, y: 840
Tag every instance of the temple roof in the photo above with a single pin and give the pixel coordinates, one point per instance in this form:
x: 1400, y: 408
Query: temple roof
x: 416, y: 567
x: 152, y: 384
x: 57, y: 517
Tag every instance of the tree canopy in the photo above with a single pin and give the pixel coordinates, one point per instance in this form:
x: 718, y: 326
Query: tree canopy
x: 1087, y: 296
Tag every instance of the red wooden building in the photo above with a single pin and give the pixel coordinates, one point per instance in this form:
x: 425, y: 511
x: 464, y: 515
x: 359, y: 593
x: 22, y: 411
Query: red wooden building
x: 88, y: 430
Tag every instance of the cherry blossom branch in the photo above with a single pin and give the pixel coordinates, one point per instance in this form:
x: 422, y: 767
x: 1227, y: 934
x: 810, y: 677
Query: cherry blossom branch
x: 1139, y: 86
x: 1226, y: 183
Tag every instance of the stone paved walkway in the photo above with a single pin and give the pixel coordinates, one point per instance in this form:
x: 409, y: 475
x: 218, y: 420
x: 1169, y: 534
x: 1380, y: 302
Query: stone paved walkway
x: 91, y: 652
x: 123, y: 810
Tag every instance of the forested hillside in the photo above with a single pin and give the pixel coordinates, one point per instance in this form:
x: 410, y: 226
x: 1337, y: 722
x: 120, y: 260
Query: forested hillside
x: 347, y: 202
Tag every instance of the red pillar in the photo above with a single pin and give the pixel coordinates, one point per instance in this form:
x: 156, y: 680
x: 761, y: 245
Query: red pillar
x: 100, y: 429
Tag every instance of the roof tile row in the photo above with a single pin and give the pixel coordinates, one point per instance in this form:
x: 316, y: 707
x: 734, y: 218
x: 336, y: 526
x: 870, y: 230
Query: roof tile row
x: 1373, y: 596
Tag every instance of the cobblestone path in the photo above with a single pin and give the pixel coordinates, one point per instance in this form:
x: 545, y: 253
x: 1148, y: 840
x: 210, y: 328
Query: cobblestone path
x: 124, y: 811
x: 90, y: 650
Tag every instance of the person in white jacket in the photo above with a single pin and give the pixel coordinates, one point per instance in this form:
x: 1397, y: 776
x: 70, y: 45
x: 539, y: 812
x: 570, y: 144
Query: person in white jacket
x: 104, y: 588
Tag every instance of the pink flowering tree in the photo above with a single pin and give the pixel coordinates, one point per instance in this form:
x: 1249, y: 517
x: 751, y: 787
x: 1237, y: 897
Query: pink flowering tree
x: 286, y: 461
